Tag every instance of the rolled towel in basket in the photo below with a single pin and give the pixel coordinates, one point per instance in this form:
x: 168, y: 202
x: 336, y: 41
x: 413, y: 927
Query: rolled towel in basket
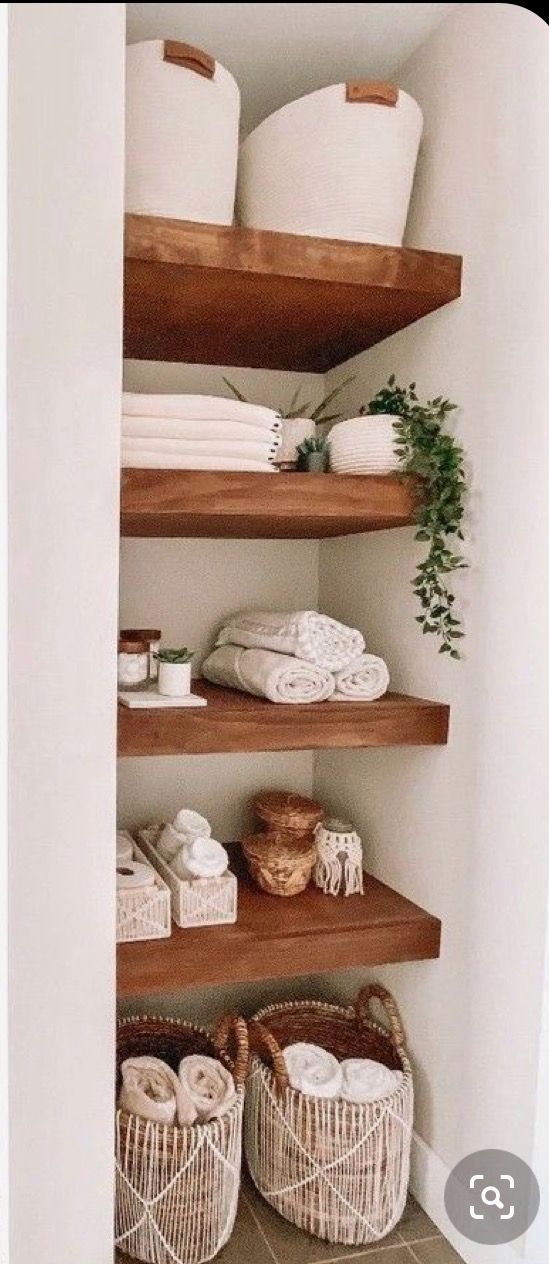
x: 365, y: 1080
x: 197, y: 407
x: 153, y: 1091
x: 207, y: 428
x: 278, y: 677
x: 313, y: 1070
x: 186, y: 826
x: 363, y: 680
x: 311, y: 636
x: 200, y: 858
x: 208, y: 1084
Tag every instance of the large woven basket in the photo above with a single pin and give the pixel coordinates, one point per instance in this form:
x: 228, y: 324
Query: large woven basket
x: 177, y: 1188
x: 336, y: 1169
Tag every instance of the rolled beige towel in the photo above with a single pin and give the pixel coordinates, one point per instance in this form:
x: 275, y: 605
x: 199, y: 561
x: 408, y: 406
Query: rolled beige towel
x: 153, y: 1091
x: 267, y: 674
x: 208, y: 1084
x: 363, y: 680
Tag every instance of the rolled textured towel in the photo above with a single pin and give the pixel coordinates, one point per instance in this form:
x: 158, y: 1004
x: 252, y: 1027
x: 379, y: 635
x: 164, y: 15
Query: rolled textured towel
x: 364, y: 679
x: 278, y: 677
x: 208, y: 1084
x: 313, y: 1070
x: 197, y: 407
x: 200, y: 428
x: 153, y: 1091
x: 200, y: 858
x: 154, y: 460
x: 186, y: 826
x: 365, y: 1080
x: 305, y: 633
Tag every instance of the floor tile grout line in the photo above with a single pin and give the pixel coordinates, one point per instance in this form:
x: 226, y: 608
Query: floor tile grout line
x: 259, y: 1226
x: 429, y: 1237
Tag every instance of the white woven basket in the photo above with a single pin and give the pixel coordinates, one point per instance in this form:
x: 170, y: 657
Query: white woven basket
x: 364, y: 445
x: 181, y: 134
x: 330, y: 167
x: 203, y: 902
x: 145, y: 913
x: 338, y: 1170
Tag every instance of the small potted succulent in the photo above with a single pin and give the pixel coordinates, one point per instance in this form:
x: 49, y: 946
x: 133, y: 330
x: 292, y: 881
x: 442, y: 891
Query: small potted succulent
x: 298, y: 420
x: 312, y: 455
x: 174, y: 672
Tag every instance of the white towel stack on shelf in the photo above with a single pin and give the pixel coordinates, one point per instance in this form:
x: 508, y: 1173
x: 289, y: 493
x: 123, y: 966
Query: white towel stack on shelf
x: 198, y: 432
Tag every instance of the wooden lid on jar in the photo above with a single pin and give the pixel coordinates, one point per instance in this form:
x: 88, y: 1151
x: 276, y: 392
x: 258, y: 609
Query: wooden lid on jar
x: 286, y: 811
x: 132, y: 647
x: 141, y: 634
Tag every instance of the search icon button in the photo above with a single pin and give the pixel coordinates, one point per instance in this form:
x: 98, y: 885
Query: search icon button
x: 491, y: 1202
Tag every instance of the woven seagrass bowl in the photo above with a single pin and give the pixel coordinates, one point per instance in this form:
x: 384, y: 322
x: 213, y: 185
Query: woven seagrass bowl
x: 279, y: 862
x: 282, y: 810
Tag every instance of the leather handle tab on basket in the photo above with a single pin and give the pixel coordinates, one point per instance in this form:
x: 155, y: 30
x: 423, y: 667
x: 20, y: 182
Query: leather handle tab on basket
x: 363, y: 1011
x: 189, y: 57
x: 233, y: 1026
x: 369, y: 90
x: 264, y: 1044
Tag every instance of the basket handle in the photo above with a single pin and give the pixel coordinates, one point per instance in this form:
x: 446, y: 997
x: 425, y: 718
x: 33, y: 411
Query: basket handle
x: 371, y: 91
x: 230, y: 1025
x: 189, y: 57
x: 364, y: 1014
x: 263, y: 1042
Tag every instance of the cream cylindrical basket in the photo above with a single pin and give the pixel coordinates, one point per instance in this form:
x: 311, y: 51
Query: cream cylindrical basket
x: 364, y: 445
x: 337, y: 163
x: 338, y: 1170
x: 177, y: 1188
x: 182, y: 112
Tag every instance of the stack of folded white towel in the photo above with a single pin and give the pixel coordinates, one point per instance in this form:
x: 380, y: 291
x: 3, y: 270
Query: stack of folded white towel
x: 317, y: 1073
x: 198, y: 432
x: 297, y: 657
x: 202, y: 1089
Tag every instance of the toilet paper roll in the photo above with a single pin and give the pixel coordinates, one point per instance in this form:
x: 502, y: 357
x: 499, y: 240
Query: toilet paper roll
x: 124, y: 847
x: 132, y: 874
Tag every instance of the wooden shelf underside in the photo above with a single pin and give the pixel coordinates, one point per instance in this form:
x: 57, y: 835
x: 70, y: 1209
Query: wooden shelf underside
x: 210, y: 294
x: 210, y: 503
x: 235, y: 721
x: 276, y: 938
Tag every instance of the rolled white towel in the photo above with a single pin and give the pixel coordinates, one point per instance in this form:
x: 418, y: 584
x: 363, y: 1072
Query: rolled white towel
x: 278, y: 677
x: 186, y: 826
x: 188, y: 428
x: 305, y: 633
x: 155, y: 460
x: 365, y: 1080
x: 196, y: 407
x: 249, y: 450
x: 153, y: 1091
x: 364, y: 679
x: 201, y: 858
x: 208, y: 1084
x: 313, y: 1070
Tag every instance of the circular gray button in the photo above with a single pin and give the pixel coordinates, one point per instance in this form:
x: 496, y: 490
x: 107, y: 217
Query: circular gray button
x: 492, y: 1197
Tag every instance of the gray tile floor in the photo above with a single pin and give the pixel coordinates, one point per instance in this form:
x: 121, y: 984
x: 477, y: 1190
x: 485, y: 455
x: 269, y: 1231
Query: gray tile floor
x: 261, y: 1236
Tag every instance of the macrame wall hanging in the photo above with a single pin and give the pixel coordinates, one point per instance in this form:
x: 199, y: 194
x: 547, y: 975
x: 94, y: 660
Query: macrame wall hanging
x: 338, y: 868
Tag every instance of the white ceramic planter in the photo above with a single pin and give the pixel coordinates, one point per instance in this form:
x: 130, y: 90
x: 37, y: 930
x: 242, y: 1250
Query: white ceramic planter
x: 364, y: 445
x: 174, y: 679
x: 294, y: 431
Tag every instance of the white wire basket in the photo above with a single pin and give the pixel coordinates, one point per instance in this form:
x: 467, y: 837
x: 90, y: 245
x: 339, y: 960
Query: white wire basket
x: 202, y: 902
x: 145, y: 913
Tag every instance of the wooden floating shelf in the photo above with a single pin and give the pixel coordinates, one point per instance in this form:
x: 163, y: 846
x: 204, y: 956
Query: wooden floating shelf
x: 262, y: 506
x: 235, y: 721
x: 210, y: 294
x: 276, y: 938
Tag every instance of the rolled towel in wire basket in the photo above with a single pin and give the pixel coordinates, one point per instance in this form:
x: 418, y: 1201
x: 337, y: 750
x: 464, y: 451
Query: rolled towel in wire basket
x: 209, y: 1085
x: 153, y: 1091
x: 312, y: 1070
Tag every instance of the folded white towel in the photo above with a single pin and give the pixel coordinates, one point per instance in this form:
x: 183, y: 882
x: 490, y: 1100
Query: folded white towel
x: 209, y: 1085
x: 278, y: 677
x: 199, y: 428
x: 365, y: 679
x: 365, y: 1080
x: 313, y: 1070
x: 196, y: 407
x: 305, y: 633
x: 152, y: 1090
x: 264, y: 450
x: 167, y: 461
x: 201, y: 858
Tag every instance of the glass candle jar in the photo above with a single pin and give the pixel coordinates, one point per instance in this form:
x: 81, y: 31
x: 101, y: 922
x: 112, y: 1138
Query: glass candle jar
x: 153, y: 637
x: 133, y: 664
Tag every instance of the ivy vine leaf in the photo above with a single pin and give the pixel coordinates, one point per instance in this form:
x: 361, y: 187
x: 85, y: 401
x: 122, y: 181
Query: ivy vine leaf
x: 425, y: 449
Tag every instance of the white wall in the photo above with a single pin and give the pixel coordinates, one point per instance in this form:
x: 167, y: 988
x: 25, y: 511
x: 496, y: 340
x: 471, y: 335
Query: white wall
x: 66, y: 160
x: 464, y: 830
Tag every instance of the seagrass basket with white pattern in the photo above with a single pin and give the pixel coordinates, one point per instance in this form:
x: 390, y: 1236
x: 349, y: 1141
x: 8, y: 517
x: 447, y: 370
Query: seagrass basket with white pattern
x: 337, y: 1169
x: 177, y: 1188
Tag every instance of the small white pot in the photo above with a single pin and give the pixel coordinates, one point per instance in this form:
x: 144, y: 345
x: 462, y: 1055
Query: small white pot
x: 174, y: 679
x: 364, y: 445
x: 294, y: 431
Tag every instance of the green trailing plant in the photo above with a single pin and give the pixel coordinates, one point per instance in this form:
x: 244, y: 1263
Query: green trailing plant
x: 426, y: 450
x: 295, y: 409
x: 315, y: 443
x: 182, y: 655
